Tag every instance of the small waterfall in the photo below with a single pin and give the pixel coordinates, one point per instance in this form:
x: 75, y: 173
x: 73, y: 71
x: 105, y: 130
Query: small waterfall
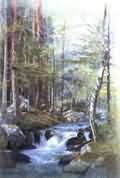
x: 49, y: 151
x: 86, y: 134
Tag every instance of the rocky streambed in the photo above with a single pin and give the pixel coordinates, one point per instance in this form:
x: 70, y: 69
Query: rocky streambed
x: 64, y: 150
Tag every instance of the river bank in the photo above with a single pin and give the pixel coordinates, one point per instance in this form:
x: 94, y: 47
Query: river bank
x: 53, y: 134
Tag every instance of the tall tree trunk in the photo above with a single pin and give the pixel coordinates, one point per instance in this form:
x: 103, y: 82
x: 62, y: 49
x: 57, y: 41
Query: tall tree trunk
x: 53, y: 84
x: 95, y: 95
x: 93, y: 102
x: 106, y: 29
x: 108, y: 69
x: 37, y: 16
x: 4, y: 84
x: 13, y: 58
x: 62, y: 68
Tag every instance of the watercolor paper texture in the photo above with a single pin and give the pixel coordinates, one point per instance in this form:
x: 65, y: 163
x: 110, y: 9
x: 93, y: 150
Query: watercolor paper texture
x: 59, y: 89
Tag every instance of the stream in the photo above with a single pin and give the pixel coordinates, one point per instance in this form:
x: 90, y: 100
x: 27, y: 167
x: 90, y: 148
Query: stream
x: 48, y: 151
x: 44, y: 159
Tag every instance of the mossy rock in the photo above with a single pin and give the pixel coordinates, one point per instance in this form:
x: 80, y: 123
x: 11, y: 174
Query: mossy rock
x: 38, y: 120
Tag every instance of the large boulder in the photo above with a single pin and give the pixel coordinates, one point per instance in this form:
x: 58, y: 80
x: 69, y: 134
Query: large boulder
x: 83, y: 137
x: 75, y: 143
x: 15, y: 137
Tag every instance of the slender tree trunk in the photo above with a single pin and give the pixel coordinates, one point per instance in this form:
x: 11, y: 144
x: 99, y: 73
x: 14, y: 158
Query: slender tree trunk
x: 93, y: 103
x: 4, y: 84
x: 13, y: 58
x: 108, y: 70
x: 106, y: 36
x: 53, y: 83
x: 62, y: 67
x: 37, y: 95
x: 50, y: 94
x: 13, y: 75
x: 95, y: 95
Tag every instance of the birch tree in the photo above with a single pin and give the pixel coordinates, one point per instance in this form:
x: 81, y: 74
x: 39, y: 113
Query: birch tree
x: 104, y: 64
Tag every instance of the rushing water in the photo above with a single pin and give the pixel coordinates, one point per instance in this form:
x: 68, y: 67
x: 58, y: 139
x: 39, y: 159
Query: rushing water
x: 44, y: 159
x: 48, y: 151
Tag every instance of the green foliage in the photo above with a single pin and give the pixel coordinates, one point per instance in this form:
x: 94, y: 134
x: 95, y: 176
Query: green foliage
x: 93, y: 45
x: 32, y: 58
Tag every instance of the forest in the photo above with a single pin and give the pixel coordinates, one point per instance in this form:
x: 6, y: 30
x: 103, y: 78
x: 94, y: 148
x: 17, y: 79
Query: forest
x: 57, y: 96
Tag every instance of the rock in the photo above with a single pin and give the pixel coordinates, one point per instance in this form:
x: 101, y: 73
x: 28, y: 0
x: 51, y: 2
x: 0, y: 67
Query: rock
x: 16, y: 138
x: 37, y: 119
x: 77, y: 166
x: 75, y: 143
x: 7, y: 159
x: 24, y: 104
x: 85, y: 133
x: 21, y: 158
x: 49, y: 134
x: 85, y: 149
x: 3, y: 139
x: 99, y: 162
x: 37, y: 134
x: 29, y: 139
x: 66, y: 159
x: 81, y: 133
x: 99, y: 172
x: 82, y: 139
